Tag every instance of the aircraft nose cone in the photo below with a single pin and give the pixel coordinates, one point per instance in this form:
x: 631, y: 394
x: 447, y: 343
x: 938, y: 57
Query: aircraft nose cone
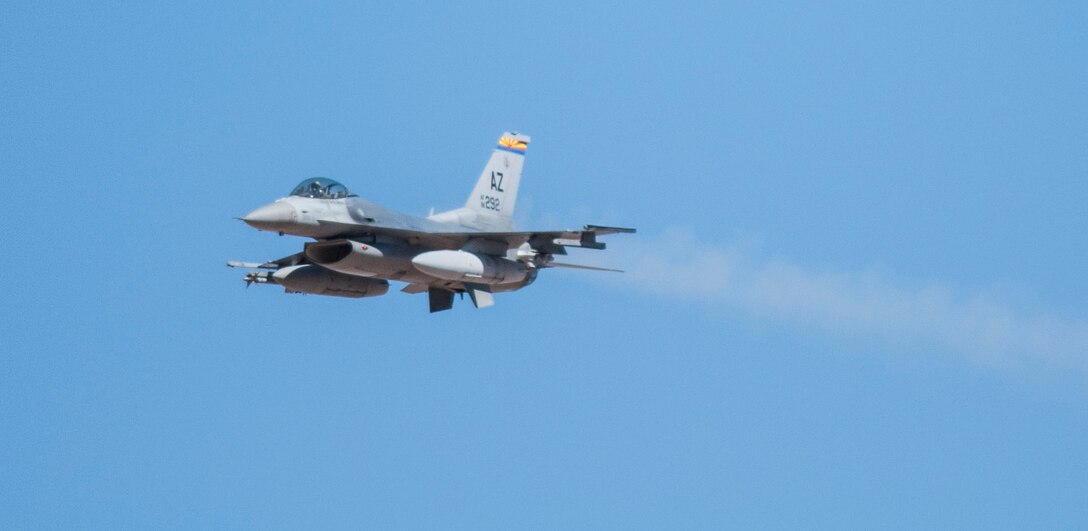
x: 271, y: 217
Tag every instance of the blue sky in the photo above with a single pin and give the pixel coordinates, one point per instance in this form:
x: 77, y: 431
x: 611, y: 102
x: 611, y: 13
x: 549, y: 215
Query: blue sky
x: 856, y: 299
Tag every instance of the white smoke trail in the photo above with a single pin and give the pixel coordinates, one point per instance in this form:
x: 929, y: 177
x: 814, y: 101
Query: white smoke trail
x: 865, y: 305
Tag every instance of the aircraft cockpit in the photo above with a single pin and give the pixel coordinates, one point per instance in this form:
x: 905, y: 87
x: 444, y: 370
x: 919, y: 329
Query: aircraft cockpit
x: 321, y: 188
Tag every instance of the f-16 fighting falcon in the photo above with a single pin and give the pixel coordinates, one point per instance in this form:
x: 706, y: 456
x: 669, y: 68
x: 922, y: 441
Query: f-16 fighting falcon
x: 360, y: 246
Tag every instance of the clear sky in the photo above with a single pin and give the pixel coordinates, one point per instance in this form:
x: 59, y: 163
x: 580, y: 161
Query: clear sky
x: 857, y: 298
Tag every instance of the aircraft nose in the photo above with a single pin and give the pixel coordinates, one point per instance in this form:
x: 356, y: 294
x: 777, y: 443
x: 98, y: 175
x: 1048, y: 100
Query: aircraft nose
x: 272, y: 216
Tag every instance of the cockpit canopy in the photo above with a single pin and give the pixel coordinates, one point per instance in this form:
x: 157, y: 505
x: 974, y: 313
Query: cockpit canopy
x: 321, y: 188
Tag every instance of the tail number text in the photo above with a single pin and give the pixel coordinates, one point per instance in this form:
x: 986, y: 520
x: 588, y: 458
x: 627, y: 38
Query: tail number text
x: 489, y: 202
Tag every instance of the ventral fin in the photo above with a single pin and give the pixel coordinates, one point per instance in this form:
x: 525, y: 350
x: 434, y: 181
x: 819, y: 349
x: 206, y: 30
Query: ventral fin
x: 481, y: 295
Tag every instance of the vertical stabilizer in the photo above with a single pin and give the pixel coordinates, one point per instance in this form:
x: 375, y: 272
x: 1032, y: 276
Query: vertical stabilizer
x: 496, y: 191
x: 490, y: 207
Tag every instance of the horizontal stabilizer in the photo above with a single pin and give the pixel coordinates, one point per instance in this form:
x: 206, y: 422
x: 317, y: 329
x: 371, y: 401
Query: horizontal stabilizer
x: 601, y: 230
x: 589, y: 268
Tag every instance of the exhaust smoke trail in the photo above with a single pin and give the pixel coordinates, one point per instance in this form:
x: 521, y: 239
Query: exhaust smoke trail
x: 851, y: 305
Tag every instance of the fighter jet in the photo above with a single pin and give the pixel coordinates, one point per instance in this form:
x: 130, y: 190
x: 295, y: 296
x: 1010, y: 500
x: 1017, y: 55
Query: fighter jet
x: 360, y: 246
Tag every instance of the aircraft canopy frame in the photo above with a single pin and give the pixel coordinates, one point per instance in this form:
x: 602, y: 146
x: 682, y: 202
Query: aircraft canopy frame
x: 321, y: 188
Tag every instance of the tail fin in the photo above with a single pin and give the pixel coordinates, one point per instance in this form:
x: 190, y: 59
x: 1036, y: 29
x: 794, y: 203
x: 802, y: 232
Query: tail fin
x: 496, y: 192
x: 491, y: 205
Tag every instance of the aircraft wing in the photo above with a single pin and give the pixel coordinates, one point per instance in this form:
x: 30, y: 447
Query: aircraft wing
x: 551, y: 242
